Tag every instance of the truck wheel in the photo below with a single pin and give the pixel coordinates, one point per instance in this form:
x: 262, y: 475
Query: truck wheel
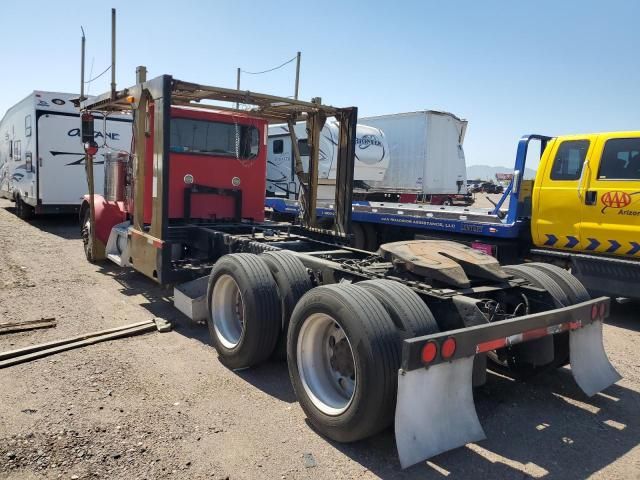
x: 85, y: 233
x: 23, y: 210
x: 344, y: 355
x: 543, y: 280
x: 293, y: 282
x: 408, y: 312
x: 370, y: 237
x: 359, y: 239
x: 572, y: 287
x: 243, y: 310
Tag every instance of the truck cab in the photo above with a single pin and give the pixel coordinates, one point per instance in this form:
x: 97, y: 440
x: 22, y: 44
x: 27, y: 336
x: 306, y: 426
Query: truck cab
x: 586, y: 210
x: 586, y: 197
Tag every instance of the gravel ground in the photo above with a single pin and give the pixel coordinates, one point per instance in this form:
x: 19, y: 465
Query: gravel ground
x: 161, y: 405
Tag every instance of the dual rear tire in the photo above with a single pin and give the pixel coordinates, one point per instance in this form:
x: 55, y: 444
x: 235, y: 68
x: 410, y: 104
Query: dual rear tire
x: 343, y: 341
x: 565, y: 290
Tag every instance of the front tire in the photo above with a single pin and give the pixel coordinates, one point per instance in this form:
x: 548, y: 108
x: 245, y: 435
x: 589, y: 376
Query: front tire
x: 343, y: 357
x: 85, y: 233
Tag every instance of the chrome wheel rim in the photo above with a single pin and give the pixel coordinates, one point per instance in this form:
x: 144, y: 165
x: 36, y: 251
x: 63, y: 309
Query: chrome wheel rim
x: 326, y: 364
x: 227, y: 311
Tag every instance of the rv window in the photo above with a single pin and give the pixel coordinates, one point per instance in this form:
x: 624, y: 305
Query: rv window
x: 27, y: 126
x: 214, y: 138
x: 303, y: 146
x: 17, y: 151
x: 278, y: 146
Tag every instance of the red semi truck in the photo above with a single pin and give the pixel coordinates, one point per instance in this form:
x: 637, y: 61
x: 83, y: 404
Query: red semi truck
x: 398, y: 336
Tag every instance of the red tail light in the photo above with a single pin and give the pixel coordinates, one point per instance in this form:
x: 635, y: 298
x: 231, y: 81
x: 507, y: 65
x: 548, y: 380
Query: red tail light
x: 602, y: 309
x: 429, y: 352
x: 594, y: 312
x: 448, y: 348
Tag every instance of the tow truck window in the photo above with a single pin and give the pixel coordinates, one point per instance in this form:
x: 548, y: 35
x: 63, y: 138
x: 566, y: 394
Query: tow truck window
x: 569, y: 160
x: 620, y: 160
x: 214, y: 138
x: 278, y: 146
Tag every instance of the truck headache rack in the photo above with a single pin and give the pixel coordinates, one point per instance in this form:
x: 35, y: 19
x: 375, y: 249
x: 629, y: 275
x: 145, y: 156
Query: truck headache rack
x: 165, y: 91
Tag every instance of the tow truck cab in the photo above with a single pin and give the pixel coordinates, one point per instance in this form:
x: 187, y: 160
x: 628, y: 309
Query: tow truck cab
x: 586, y: 208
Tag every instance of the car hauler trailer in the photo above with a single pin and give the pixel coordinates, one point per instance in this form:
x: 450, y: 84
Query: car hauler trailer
x: 41, y: 162
x: 580, y: 213
x: 402, y: 333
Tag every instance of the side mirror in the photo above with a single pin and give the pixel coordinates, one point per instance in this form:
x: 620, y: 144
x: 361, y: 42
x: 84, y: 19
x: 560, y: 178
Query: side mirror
x: 87, y: 128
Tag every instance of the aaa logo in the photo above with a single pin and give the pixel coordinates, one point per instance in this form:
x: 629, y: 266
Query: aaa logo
x: 616, y: 199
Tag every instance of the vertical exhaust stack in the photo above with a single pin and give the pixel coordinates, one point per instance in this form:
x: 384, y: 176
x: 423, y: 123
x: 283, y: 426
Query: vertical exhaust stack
x: 113, y: 53
x: 82, y: 47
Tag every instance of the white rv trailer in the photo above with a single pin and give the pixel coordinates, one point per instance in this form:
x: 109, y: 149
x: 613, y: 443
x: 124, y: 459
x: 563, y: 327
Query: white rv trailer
x: 372, y: 158
x: 426, y: 152
x: 42, y: 164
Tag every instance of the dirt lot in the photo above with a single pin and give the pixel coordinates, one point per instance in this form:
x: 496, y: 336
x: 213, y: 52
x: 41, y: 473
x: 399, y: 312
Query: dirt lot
x: 161, y: 405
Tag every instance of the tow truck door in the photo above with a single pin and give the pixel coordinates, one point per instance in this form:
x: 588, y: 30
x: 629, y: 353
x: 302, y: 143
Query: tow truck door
x: 557, y: 206
x: 611, y: 196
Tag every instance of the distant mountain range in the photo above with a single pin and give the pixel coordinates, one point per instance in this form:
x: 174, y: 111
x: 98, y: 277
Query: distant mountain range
x: 487, y: 172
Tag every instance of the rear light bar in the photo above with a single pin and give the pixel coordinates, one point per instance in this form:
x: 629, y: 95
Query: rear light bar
x: 430, y: 350
x: 526, y: 336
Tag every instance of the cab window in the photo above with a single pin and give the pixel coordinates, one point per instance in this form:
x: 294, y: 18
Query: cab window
x: 569, y: 160
x: 214, y: 138
x: 620, y: 160
x: 278, y: 146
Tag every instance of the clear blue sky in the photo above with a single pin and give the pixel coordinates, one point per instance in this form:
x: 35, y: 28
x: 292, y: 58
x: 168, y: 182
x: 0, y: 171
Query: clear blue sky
x: 509, y: 67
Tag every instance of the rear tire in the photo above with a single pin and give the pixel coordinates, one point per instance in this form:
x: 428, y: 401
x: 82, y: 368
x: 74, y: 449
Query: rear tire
x: 572, y: 287
x: 293, y: 282
x: 243, y: 310
x: 359, y: 239
x: 23, y: 210
x: 406, y: 309
x: 543, y: 279
x: 370, y: 237
x: 346, y: 386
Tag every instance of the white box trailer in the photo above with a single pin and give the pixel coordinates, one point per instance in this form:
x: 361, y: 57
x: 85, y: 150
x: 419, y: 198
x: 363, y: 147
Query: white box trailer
x: 426, y: 153
x: 42, y: 164
x: 371, y: 162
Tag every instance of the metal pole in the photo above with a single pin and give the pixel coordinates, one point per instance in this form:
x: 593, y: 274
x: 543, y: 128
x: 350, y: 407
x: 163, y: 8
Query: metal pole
x: 238, y: 86
x: 113, y: 53
x: 297, y: 75
x: 82, y: 65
